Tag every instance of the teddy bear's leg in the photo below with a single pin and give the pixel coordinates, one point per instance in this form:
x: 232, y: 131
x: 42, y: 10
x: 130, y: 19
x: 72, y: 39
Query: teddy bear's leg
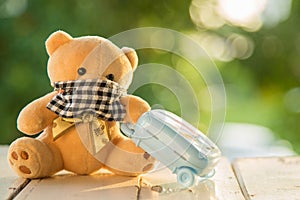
x: 33, y: 158
x: 125, y: 158
x: 74, y: 150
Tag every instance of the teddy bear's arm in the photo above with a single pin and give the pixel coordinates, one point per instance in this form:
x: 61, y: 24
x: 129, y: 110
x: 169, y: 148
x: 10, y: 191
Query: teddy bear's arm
x: 35, y: 116
x: 135, y: 107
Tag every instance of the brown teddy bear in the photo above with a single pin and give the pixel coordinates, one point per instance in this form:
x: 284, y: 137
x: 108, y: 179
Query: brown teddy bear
x: 79, y: 120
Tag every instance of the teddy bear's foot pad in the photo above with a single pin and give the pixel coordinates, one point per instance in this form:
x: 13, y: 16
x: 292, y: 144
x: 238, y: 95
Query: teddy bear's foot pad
x: 30, y: 158
x: 25, y: 169
x: 22, y: 163
x: 22, y: 155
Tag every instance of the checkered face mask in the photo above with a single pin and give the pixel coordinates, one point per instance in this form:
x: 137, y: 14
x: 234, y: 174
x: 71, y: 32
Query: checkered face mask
x: 93, y: 96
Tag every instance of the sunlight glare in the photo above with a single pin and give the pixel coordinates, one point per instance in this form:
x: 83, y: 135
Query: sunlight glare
x: 276, y: 12
x: 204, y: 14
x: 241, y: 11
x: 246, y: 13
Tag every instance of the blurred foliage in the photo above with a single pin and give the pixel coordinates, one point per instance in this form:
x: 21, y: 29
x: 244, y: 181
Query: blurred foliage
x: 23, y: 56
x: 256, y: 86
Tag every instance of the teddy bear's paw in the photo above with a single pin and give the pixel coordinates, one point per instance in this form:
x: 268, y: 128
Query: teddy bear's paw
x: 26, y: 156
x: 22, y: 155
x: 149, y: 162
x: 124, y: 162
x: 133, y: 167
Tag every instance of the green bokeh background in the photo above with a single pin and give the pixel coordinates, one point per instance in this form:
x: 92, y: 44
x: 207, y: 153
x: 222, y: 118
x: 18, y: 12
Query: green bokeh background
x: 256, y: 86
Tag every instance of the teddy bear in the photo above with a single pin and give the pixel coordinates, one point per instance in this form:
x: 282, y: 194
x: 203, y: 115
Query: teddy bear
x: 78, y: 124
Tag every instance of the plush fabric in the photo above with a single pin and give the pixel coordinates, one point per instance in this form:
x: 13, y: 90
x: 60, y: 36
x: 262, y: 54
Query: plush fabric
x: 72, y: 59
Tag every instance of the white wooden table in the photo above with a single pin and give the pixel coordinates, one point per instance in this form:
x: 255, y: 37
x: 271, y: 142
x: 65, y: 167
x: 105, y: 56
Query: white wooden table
x: 246, y: 178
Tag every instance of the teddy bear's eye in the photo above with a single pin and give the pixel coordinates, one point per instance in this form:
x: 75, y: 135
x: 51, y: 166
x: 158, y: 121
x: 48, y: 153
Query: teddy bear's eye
x: 81, y: 71
x: 110, y: 77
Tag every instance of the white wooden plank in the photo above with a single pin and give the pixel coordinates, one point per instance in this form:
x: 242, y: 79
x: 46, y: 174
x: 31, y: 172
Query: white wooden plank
x: 10, y: 183
x: 223, y: 185
x: 269, y: 178
x: 68, y: 186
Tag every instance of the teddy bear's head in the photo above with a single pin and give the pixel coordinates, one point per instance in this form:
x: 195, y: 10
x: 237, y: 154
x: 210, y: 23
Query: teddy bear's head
x: 89, y: 57
x: 91, y: 73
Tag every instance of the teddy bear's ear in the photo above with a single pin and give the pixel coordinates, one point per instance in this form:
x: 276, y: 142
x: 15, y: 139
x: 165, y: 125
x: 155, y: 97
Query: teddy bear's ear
x: 132, y: 56
x: 55, y: 40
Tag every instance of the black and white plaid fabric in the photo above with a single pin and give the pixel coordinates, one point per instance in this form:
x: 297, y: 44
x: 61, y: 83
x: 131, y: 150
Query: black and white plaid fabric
x: 94, y: 96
